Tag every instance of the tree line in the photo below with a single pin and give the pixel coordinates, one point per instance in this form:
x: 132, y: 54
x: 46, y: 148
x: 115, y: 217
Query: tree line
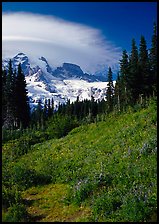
x: 136, y: 79
x: 15, y: 102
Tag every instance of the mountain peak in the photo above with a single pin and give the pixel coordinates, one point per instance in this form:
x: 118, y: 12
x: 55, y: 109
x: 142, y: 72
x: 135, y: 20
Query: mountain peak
x: 43, y: 59
x: 65, y: 82
x: 20, y: 57
x: 21, y: 54
x: 72, y: 67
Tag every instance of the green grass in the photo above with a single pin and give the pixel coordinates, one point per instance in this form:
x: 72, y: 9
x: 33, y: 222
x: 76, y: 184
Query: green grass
x: 47, y: 203
x: 104, y: 171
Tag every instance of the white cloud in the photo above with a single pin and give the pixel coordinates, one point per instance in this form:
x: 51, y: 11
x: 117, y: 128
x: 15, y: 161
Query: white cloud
x: 58, y: 40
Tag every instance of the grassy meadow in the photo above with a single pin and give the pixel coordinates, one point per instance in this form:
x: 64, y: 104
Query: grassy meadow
x: 105, y: 171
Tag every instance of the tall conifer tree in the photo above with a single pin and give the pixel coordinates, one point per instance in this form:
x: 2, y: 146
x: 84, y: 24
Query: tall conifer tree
x: 4, y: 101
x: 110, y: 90
x: 144, y: 67
x: 117, y: 92
x: 22, y: 101
x: 9, y: 94
x: 124, y: 79
x: 134, y: 78
x: 49, y: 108
x: 153, y: 59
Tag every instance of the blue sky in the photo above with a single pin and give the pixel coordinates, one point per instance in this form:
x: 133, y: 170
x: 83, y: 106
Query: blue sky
x: 117, y: 22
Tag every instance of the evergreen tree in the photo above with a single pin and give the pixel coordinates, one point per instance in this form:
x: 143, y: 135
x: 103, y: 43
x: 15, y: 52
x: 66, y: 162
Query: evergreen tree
x: 9, y: 97
x: 22, y: 101
x: 45, y: 111
x: 144, y: 67
x: 93, y: 107
x: 110, y: 90
x: 39, y: 110
x: 85, y: 108
x: 124, y: 79
x: 39, y: 114
x: 14, y: 98
x: 4, y: 101
x: 49, y: 108
x: 52, y: 105
x: 153, y: 59
x: 134, y: 78
x: 68, y: 107
x: 117, y: 92
x: 76, y: 110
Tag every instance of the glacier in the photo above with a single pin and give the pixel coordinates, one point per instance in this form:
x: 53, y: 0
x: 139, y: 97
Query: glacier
x: 63, y: 83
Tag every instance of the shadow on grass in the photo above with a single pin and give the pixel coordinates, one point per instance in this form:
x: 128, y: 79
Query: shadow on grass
x: 32, y: 217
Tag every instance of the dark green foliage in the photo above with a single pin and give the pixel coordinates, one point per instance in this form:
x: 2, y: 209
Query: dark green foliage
x: 123, y: 88
x: 59, y: 126
x: 85, y: 110
x: 134, y: 77
x: 16, y: 213
x: 110, y: 166
x: 4, y: 97
x: 144, y: 68
x: 50, y: 111
x: 23, y: 176
x: 14, y: 99
x: 8, y: 97
x: 118, y: 94
x: 153, y: 59
x: 37, y: 116
x: 12, y: 202
x: 10, y: 196
x: 22, y: 102
x: 110, y: 91
x: 81, y: 191
x: 106, y: 204
x: 138, y: 73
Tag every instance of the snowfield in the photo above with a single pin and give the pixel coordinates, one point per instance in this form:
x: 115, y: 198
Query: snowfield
x: 63, y: 83
x: 65, y: 90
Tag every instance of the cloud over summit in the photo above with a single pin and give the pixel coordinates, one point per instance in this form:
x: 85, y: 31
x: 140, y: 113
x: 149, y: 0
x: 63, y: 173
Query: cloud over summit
x: 57, y: 40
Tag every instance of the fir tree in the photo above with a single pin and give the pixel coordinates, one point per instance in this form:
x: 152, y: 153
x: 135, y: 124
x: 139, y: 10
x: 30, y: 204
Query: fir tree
x: 144, y: 67
x: 93, y: 107
x: 4, y: 101
x: 49, y: 108
x: 134, y: 78
x: 9, y: 96
x: 153, y: 59
x: 45, y: 110
x: 52, y: 105
x: 22, y: 101
x: 39, y: 110
x: 124, y: 79
x: 117, y: 92
x: 110, y: 91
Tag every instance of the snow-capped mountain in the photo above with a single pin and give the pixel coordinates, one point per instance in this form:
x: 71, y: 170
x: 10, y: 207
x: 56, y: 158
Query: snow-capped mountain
x: 62, y: 83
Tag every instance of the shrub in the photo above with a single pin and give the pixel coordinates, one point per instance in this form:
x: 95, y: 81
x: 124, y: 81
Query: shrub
x: 106, y: 204
x: 16, y: 213
x: 81, y: 191
x: 59, y: 126
x: 24, y: 177
x: 10, y: 196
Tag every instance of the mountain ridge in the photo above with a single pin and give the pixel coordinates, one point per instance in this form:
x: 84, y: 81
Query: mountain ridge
x: 63, y: 83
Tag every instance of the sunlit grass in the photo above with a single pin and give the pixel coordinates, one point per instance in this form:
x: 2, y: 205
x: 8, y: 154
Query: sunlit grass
x: 105, y: 171
x: 47, y: 202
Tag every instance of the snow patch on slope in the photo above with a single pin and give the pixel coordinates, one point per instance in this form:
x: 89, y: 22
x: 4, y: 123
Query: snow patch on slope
x: 62, y: 83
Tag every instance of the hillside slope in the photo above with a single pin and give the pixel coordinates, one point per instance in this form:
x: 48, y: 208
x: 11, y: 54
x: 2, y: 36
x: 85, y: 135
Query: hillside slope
x: 105, y: 171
